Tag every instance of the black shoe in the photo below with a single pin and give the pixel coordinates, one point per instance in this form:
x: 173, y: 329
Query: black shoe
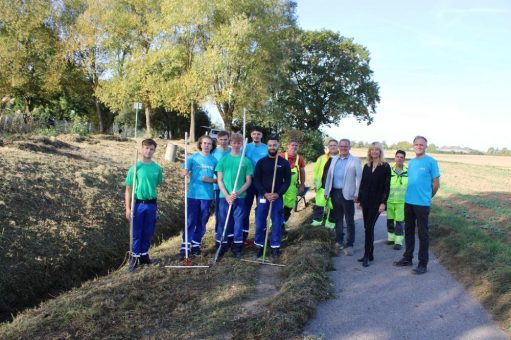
x: 361, y: 259
x: 371, y: 258
x: 259, y: 252
x: 390, y: 242
x: 132, y: 263
x: 403, y: 263
x: 397, y: 247
x: 365, y: 262
x: 420, y: 270
x: 275, y: 255
x: 144, y: 259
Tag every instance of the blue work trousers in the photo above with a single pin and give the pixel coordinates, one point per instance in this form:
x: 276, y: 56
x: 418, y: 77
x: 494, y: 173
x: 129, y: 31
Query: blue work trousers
x: 234, y: 223
x: 144, y: 223
x: 198, y: 215
x: 277, y: 218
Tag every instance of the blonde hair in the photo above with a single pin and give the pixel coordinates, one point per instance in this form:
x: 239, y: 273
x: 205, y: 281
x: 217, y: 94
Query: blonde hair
x: 236, y: 137
x: 380, y: 148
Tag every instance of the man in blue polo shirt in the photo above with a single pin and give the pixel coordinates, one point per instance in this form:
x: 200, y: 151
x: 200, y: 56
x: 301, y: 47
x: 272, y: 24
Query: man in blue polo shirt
x: 254, y: 152
x: 423, y: 184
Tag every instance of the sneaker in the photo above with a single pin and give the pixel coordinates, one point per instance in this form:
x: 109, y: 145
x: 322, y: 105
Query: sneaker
x: 348, y: 251
x: 132, y: 264
x: 144, y: 259
x: 315, y: 223
x: 403, y: 263
x: 330, y: 225
x: 420, y: 270
x: 339, y: 246
x: 397, y: 247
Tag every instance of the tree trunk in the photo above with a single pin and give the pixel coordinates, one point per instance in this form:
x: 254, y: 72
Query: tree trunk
x: 226, y: 111
x: 100, y: 116
x: 192, y: 122
x: 147, y: 109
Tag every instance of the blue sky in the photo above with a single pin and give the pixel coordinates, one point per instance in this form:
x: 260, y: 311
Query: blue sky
x: 444, y: 67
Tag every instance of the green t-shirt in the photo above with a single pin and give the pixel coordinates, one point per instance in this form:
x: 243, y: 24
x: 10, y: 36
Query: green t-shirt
x: 228, y: 166
x: 149, y: 176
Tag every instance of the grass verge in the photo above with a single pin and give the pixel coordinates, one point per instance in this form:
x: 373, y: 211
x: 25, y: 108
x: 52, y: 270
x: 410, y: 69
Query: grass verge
x: 481, y: 260
x: 156, y: 302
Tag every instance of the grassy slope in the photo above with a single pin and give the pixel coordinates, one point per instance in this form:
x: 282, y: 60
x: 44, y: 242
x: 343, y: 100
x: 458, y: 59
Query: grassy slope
x: 158, y: 302
x: 471, y: 231
x: 61, y: 214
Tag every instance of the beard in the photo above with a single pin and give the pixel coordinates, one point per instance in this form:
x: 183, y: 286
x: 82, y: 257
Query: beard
x: 273, y: 153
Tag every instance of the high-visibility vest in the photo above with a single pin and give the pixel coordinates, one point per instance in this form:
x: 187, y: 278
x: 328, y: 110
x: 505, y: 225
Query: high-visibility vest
x: 398, y: 184
x: 319, y: 167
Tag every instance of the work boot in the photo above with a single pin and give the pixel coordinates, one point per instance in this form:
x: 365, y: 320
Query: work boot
x: 132, y: 263
x: 144, y: 259
x: 315, y: 223
x: 275, y: 255
x: 259, y: 252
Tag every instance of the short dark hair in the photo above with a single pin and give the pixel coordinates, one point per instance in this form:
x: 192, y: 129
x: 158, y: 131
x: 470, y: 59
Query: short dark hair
x: 401, y: 152
x: 223, y: 133
x: 149, y: 142
x: 256, y: 128
x: 199, y: 142
x: 274, y: 137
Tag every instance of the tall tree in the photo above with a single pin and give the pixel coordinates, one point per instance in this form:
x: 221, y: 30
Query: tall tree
x: 327, y: 78
x: 29, y: 41
x: 243, y: 52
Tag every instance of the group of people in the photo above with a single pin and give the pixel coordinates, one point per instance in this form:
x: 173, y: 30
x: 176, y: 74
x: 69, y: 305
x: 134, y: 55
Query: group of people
x: 233, y: 175
x: 405, y: 193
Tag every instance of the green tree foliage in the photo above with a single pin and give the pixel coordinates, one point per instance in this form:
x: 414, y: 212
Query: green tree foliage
x: 245, y: 52
x: 327, y: 78
x: 310, y: 143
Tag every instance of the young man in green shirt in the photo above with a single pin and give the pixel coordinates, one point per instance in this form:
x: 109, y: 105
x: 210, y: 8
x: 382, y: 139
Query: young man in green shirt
x: 227, y: 170
x: 149, y: 176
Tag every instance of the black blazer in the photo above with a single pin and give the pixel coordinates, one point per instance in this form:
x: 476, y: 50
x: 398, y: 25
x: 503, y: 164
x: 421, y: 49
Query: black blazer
x: 375, y: 186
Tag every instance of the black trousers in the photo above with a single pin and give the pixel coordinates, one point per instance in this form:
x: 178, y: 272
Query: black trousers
x: 417, y: 215
x: 370, y: 214
x: 343, y: 209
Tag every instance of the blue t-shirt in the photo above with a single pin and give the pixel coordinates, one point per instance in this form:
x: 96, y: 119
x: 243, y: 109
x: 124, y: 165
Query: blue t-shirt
x: 421, y: 172
x: 255, y: 153
x: 200, y: 166
x: 218, y: 154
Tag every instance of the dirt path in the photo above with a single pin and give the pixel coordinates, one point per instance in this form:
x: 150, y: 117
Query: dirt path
x: 387, y: 302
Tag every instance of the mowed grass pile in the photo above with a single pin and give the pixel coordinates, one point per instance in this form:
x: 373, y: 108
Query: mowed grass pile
x: 62, y: 214
x: 471, y: 231
x: 164, y: 303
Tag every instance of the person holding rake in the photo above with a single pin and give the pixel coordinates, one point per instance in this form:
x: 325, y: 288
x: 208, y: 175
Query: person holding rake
x: 272, y: 178
x: 201, y: 169
x: 142, y: 211
x: 232, y: 170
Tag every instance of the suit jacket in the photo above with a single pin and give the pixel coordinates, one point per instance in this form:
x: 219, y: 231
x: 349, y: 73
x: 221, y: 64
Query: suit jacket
x: 352, y: 176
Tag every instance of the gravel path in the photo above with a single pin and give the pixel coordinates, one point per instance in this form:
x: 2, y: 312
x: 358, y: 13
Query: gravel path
x: 387, y: 302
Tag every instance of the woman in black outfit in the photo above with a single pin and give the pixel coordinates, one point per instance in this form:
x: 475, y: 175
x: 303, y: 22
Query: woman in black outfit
x: 373, y: 194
